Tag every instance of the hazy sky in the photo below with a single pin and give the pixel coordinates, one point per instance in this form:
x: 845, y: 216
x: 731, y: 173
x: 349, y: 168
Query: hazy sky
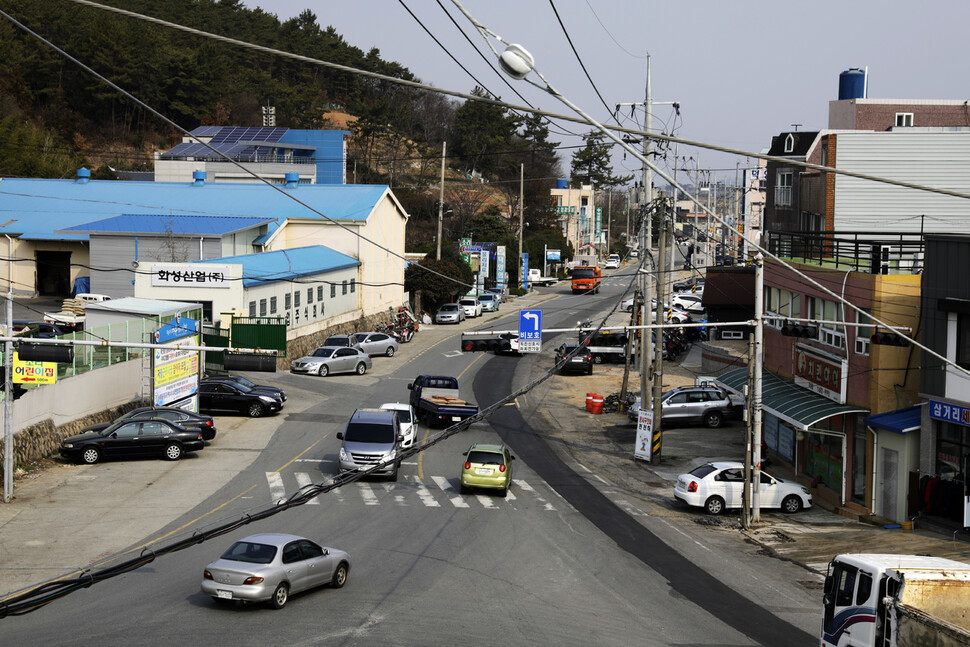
x: 741, y: 72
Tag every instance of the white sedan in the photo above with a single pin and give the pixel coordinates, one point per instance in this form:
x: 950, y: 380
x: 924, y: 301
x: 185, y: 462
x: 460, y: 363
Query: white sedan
x: 719, y: 486
x: 471, y: 305
x: 405, y: 416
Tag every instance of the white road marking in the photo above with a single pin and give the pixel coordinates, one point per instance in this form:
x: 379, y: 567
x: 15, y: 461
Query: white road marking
x: 303, y: 479
x: 424, y: 493
x: 398, y: 498
x: 367, y: 494
x: 277, y: 490
x: 486, y: 501
x: 528, y: 488
x: 446, y: 487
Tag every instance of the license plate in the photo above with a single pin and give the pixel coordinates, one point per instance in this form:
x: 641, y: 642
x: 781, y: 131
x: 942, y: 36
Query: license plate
x: 576, y: 359
x: 225, y: 595
x: 456, y: 418
x: 484, y: 471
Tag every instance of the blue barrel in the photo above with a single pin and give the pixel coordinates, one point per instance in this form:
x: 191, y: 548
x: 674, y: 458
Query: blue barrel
x: 562, y: 184
x: 852, y: 84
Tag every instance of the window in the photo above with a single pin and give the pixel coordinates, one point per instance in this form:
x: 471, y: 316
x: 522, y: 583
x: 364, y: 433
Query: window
x: 789, y: 143
x: 296, y: 298
x: 314, y: 311
x: 845, y: 581
x: 252, y: 308
x: 828, y: 333
x: 344, y: 288
x: 319, y: 293
x: 825, y: 153
x: 904, y: 119
x: 963, y: 341
x: 262, y: 307
x: 309, y: 295
x: 353, y: 285
x: 272, y: 305
x: 865, y: 588
x: 731, y: 334
x: 333, y: 290
x: 781, y: 303
x: 783, y: 189
x: 862, y: 335
x: 286, y: 301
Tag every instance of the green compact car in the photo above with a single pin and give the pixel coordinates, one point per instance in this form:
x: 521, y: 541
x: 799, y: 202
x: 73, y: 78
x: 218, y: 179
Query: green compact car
x: 487, y: 466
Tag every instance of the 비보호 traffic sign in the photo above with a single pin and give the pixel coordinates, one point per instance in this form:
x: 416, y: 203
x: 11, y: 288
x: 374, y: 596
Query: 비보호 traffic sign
x: 530, y: 331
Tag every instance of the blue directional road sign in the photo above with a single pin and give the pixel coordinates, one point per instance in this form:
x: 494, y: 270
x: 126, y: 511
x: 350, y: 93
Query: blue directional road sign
x: 530, y: 331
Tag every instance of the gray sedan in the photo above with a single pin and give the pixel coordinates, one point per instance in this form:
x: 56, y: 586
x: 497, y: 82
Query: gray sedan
x: 333, y: 359
x: 376, y: 343
x: 269, y: 567
x: 450, y: 313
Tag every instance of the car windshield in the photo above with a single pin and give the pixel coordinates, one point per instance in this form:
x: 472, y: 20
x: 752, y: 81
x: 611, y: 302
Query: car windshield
x: 485, y: 458
x: 364, y: 432
x: 322, y: 352
x: 448, y: 308
x: 243, y: 381
x: 246, y: 551
x: 584, y: 273
x: 361, y: 336
x: 467, y: 302
x: 702, y: 471
x: 403, y: 415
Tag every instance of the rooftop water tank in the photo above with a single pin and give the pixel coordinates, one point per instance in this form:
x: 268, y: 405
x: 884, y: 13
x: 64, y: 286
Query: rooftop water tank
x: 852, y: 84
x: 562, y: 184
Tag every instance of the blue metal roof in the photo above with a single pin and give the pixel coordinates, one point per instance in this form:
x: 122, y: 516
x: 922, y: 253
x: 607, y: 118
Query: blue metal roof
x: 287, y: 264
x: 130, y: 223
x: 900, y: 421
x: 38, y: 207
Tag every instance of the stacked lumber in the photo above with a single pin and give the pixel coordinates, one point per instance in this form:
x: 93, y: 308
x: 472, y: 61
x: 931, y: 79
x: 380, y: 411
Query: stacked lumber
x: 446, y: 399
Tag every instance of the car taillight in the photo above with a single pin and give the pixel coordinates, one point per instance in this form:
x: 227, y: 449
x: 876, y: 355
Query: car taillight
x: 589, y: 357
x: 208, y: 423
x: 501, y: 468
x: 200, y: 436
x: 206, y: 574
x: 692, y: 487
x: 252, y: 580
x: 468, y: 465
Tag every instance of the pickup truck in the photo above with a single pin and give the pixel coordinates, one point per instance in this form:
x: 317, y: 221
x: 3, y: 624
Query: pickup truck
x: 536, y: 278
x: 67, y: 321
x: 435, y: 398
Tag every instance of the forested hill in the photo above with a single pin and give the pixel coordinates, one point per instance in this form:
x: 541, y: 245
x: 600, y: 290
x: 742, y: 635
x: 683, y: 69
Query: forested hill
x: 53, y: 114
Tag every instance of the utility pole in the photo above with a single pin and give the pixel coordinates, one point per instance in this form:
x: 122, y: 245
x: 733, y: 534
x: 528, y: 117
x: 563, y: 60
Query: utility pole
x: 759, y: 292
x: 8, y: 388
x: 523, y: 271
x: 441, y: 199
x: 658, y: 357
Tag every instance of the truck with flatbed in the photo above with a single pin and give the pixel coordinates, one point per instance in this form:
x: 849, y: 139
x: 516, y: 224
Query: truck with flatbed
x: 875, y: 600
x: 436, y: 400
x: 537, y: 279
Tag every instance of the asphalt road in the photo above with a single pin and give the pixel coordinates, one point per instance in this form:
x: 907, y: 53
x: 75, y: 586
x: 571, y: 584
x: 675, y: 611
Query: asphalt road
x: 557, y: 562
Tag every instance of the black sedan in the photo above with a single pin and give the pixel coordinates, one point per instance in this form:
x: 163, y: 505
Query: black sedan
x: 272, y: 391
x: 187, y: 419
x: 580, y: 362
x: 230, y: 397
x: 132, y: 438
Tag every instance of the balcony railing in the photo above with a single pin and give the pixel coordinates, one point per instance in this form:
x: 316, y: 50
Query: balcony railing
x: 869, y: 252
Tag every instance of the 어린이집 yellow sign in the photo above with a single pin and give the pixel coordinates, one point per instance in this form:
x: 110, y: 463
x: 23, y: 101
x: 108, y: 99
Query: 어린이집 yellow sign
x: 34, y: 372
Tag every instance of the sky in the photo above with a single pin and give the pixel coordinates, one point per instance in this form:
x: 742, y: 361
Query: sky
x: 741, y: 72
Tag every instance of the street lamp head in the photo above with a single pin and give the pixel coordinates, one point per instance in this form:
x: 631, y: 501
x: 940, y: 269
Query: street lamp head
x: 516, y: 61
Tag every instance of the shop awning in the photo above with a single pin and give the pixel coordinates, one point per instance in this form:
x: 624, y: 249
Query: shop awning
x: 901, y: 421
x: 794, y: 404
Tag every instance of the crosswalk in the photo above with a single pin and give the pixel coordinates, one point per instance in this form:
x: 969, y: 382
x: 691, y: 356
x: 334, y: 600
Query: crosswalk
x: 438, y: 492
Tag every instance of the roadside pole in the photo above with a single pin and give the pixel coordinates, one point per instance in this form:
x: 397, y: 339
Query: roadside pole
x: 748, y: 428
x: 441, y: 200
x: 658, y: 358
x: 759, y: 297
x: 8, y: 387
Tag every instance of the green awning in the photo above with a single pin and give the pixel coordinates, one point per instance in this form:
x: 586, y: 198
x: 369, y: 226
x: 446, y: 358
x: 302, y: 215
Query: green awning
x: 794, y: 404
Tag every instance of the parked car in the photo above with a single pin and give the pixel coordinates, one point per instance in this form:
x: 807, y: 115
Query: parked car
x: 719, y: 486
x: 271, y: 567
x: 627, y: 304
x: 581, y: 362
x: 232, y: 397
x: 181, y: 417
x: 38, y: 329
x: 450, y: 313
x: 327, y: 360
x: 689, y: 301
x: 376, y: 343
x: 634, y: 253
x: 487, y: 466
x: 706, y: 405
x: 132, y: 438
x: 407, y: 420
x: 340, y: 340
x: 489, y: 302
x: 272, y: 391
x: 501, y: 293
x: 693, y: 284
x: 612, y: 263
x: 371, y: 437
x: 471, y: 306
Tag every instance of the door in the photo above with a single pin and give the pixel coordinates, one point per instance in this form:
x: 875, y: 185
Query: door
x: 847, y: 607
x: 769, y: 492
x: 154, y: 436
x: 732, y: 482
x: 319, y: 564
x: 124, y: 440
x: 697, y: 404
x: 294, y: 566
x: 887, y: 483
x: 53, y: 273
x: 675, y: 408
x: 345, y: 360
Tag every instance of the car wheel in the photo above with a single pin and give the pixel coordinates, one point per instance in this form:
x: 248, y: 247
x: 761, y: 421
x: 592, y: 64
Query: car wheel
x: 714, y: 505
x: 173, y: 451
x: 390, y: 351
x: 90, y: 455
x: 597, y: 359
x: 280, y: 596
x: 254, y: 410
x: 504, y: 492
x: 339, y: 576
x: 361, y: 368
x: 713, y: 419
x: 791, y: 504
x: 393, y: 476
x: 324, y: 370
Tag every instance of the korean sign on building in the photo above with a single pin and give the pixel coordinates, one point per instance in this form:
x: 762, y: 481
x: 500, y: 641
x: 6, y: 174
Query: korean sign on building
x: 949, y: 412
x: 821, y: 372
x: 198, y: 275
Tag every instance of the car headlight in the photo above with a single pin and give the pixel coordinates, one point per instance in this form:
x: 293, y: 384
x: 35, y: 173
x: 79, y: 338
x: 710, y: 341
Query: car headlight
x: 391, y: 455
x: 343, y: 455
x: 67, y: 445
x: 266, y: 398
x: 806, y: 490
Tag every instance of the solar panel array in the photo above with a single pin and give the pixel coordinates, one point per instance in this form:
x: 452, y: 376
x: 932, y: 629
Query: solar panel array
x: 225, y: 139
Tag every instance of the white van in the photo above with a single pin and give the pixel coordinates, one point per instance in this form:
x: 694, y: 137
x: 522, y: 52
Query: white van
x: 90, y: 297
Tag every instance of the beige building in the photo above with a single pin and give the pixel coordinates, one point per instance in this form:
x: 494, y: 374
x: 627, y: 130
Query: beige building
x: 576, y: 211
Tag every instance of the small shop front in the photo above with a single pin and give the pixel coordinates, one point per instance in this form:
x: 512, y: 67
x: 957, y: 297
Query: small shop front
x: 942, y: 490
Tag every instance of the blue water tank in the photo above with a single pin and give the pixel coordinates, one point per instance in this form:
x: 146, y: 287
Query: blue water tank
x: 852, y: 84
x: 562, y: 184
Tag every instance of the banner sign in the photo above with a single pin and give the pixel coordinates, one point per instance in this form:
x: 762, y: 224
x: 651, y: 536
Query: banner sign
x: 821, y: 372
x: 642, y: 447
x: 500, y: 279
x: 196, y: 275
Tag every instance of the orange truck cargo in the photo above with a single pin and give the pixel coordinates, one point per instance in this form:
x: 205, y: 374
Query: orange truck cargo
x: 586, y: 278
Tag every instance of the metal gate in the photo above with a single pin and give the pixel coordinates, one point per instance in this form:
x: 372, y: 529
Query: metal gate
x: 212, y: 336
x: 265, y: 333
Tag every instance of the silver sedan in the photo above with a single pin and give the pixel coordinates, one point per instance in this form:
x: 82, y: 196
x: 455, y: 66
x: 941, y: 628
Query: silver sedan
x: 271, y: 567
x: 333, y: 359
x: 376, y: 343
x: 450, y: 313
